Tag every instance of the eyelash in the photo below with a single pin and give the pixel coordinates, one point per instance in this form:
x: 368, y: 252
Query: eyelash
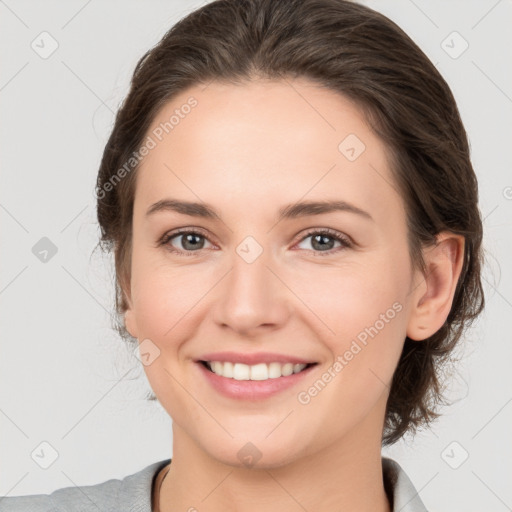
x: 338, y: 237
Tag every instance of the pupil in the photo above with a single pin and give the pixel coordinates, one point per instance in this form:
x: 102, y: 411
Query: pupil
x: 188, y: 240
x: 323, y: 238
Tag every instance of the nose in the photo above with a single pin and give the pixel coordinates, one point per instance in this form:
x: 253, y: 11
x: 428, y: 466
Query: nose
x: 253, y: 298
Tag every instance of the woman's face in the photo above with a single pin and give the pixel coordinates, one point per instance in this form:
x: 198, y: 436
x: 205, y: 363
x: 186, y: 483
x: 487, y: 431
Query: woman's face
x: 263, y: 284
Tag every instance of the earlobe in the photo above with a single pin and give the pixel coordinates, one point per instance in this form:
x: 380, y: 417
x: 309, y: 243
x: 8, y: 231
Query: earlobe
x: 130, y: 323
x: 432, y: 301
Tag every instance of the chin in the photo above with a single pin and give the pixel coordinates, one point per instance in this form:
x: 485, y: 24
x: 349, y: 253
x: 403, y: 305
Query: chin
x: 243, y: 453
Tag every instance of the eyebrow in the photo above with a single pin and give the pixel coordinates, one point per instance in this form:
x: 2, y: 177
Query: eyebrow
x: 291, y: 211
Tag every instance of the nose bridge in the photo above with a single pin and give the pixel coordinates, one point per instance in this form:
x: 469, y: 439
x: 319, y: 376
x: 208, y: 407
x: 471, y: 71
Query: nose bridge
x: 250, y: 275
x: 252, y: 295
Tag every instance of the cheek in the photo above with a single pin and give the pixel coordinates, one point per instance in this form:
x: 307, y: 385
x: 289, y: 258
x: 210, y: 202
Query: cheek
x: 163, y: 296
x: 349, y: 299
x: 364, y: 309
x: 365, y: 351
x: 164, y: 304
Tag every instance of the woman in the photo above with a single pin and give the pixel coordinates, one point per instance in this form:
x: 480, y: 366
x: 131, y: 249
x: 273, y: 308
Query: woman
x: 288, y: 193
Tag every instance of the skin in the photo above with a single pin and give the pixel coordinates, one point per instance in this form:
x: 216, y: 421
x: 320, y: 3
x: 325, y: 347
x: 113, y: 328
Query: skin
x: 248, y: 150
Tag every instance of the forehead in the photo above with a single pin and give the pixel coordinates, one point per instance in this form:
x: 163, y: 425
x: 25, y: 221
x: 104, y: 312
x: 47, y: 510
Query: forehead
x: 264, y: 142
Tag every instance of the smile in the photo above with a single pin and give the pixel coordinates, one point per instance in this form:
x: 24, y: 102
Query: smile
x: 260, y: 371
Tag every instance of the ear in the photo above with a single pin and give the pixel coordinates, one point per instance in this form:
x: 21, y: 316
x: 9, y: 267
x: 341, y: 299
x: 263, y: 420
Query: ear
x: 433, y: 293
x: 130, y: 321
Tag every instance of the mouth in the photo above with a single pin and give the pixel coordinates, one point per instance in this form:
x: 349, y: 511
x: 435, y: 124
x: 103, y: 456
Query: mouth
x: 257, y: 372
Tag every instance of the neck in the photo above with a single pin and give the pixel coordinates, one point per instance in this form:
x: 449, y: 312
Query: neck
x: 346, y: 475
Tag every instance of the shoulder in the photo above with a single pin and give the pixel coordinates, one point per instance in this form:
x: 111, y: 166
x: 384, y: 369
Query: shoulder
x: 401, y: 491
x: 132, y: 493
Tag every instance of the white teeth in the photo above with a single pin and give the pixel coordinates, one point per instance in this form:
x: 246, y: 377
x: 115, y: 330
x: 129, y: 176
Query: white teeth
x: 287, y: 369
x: 298, y: 367
x: 274, y: 370
x: 260, y: 371
x: 240, y: 371
x: 216, y: 366
x: 227, y: 369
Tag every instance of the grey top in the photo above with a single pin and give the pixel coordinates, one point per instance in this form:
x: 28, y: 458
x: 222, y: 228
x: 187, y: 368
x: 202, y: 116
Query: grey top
x: 133, y: 494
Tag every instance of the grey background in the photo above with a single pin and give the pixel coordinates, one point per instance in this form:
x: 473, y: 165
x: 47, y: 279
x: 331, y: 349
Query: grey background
x: 67, y: 380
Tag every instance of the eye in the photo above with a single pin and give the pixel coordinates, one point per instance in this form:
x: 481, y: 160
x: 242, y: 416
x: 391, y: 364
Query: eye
x: 191, y: 240
x: 322, y: 241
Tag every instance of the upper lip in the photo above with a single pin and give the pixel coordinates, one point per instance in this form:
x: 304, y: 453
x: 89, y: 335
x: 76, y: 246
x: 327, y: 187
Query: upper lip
x: 253, y: 358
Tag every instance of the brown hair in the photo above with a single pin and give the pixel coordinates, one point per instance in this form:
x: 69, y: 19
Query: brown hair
x: 359, y: 53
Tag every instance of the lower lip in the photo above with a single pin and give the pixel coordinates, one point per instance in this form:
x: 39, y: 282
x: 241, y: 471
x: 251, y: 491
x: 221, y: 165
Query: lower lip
x: 252, y: 389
